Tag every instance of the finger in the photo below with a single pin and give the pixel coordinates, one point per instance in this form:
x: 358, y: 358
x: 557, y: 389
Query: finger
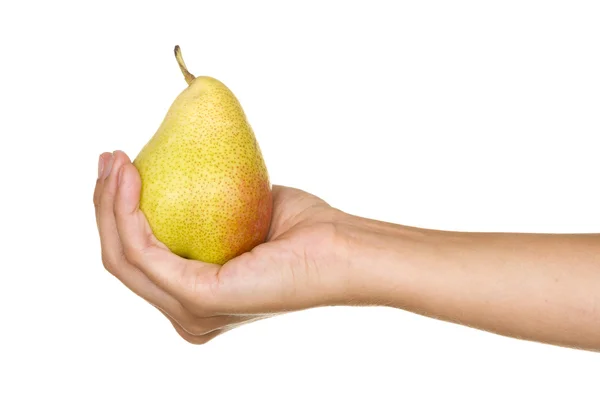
x: 196, y: 339
x: 236, y: 322
x: 103, y: 161
x: 189, y: 337
x: 203, y: 334
x: 112, y: 252
x: 207, y: 325
x: 186, y: 280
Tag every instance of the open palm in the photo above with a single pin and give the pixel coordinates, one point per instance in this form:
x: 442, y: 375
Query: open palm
x: 290, y: 271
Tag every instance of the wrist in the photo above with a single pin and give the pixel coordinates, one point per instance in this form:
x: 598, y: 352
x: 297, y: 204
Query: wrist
x: 386, y: 264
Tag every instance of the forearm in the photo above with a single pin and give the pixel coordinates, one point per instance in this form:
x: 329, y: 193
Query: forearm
x: 533, y: 286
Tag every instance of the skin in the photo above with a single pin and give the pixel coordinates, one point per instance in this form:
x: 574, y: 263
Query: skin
x: 537, y: 287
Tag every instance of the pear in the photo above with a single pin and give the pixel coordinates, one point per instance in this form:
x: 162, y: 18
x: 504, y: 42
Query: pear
x: 205, y: 187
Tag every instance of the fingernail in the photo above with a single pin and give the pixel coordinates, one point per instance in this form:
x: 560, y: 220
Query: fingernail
x: 108, y: 165
x: 100, y: 165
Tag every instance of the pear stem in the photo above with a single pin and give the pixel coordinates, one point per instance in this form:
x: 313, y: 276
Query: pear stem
x: 188, y: 77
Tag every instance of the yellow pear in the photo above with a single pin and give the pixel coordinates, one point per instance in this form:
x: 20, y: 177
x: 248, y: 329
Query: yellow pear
x: 205, y: 188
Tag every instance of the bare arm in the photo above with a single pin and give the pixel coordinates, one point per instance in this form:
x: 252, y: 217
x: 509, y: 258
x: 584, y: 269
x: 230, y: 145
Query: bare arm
x: 536, y: 287
x: 539, y: 287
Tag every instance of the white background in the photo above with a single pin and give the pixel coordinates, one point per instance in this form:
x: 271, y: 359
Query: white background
x: 463, y: 115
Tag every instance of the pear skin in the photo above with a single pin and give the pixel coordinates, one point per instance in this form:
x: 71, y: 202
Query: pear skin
x: 205, y: 187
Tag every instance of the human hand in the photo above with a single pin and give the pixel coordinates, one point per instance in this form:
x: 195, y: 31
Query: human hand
x: 302, y: 264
